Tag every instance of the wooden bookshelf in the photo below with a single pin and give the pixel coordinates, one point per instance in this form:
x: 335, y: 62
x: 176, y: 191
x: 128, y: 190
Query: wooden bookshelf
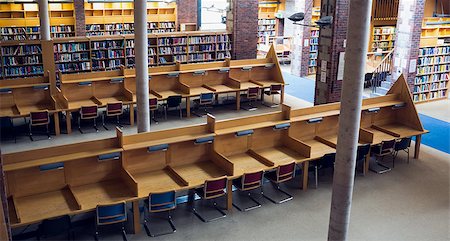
x: 118, y: 18
x: 314, y: 42
x: 433, y: 73
x: 383, y: 38
x: 101, y: 53
x: 435, y: 27
x: 20, y: 21
x: 21, y: 59
x: 267, y: 23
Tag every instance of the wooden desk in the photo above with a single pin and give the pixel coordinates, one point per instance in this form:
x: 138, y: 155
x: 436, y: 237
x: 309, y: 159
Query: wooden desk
x: 318, y: 149
x: 157, y: 181
x: 9, y: 111
x: 196, y: 173
x: 378, y: 136
x: 244, y: 162
x: 248, y: 84
x: 90, y: 195
x: 31, y: 209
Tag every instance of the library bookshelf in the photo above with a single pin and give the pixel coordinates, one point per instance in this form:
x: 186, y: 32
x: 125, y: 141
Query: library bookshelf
x: 21, y: 59
x: 118, y: 18
x: 267, y: 23
x: 102, y: 53
x: 314, y: 42
x: 20, y: 21
x: 383, y: 38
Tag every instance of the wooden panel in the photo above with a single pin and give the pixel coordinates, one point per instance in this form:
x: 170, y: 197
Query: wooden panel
x: 30, y: 96
x: 262, y: 73
x: 140, y: 160
x: 192, y: 80
x: 302, y: 130
x: 163, y: 82
x: 267, y: 137
x: 187, y: 152
x: 104, y: 89
x: 384, y: 116
x: 215, y: 78
x: 230, y: 144
x: 240, y: 74
x: 89, y: 170
x: 32, y: 181
x: 328, y: 126
x: 297, y: 145
x: 74, y: 92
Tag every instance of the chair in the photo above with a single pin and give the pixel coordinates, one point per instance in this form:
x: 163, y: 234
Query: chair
x: 326, y: 161
x: 206, y: 100
x: 282, y: 174
x: 380, y: 151
x: 153, y: 103
x: 252, y: 95
x: 368, y: 80
x: 55, y: 227
x: 160, y: 202
x: 173, y: 101
x: 108, y: 214
x: 39, y: 118
x: 402, y: 145
x: 212, y: 189
x: 113, y: 109
x: 248, y: 182
x: 88, y: 113
x: 274, y: 90
x: 361, y: 155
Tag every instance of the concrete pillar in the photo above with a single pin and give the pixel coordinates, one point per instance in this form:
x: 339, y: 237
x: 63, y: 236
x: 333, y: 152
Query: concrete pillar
x: 242, y: 22
x: 300, y: 52
x: 80, y: 18
x: 349, y: 119
x: 141, y: 55
x: 44, y: 20
x: 331, y: 45
x: 187, y: 11
x: 407, y: 40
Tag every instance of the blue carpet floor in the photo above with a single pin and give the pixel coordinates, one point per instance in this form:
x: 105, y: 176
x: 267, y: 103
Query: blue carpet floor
x: 438, y: 138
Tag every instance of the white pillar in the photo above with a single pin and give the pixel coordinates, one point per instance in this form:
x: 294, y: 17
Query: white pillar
x: 141, y: 55
x: 44, y: 19
x: 349, y: 119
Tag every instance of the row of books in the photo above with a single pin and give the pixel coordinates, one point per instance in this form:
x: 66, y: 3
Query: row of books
x: 382, y: 37
x: 313, y: 48
x: 267, y: 33
x: 21, y: 50
x: 74, y: 67
x: 171, y: 41
x: 383, y: 45
x: 30, y: 70
x: 223, y: 46
x: 433, y: 69
x: 69, y: 57
x: 107, y: 64
x: 313, y: 41
x: 71, y: 47
x: 201, y: 57
x: 444, y: 59
x: 266, y: 28
x: 430, y: 96
x: 432, y: 78
x: 109, y: 44
x: 266, y: 21
x: 201, y: 48
x: 313, y: 56
x: 119, y: 26
x: 434, y: 50
x: 223, y: 38
x: 202, y: 39
x: 22, y: 60
x: 314, y: 33
x: 61, y: 29
x: 312, y: 62
x: 108, y: 54
x: 383, y: 30
x: 223, y: 55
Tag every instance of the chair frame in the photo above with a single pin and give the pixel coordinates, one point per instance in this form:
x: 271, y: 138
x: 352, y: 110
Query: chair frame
x: 272, y: 94
x: 47, y: 123
x: 243, y: 189
x: 277, y: 183
x: 204, y: 197
x: 94, y: 118
x: 117, y: 115
x: 250, y: 98
x: 97, y: 224
x: 166, y: 107
x: 154, y: 108
x: 382, y: 155
x: 169, y: 215
x: 206, y: 104
x: 395, y: 152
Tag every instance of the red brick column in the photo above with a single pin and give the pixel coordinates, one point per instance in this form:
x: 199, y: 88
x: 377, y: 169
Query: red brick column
x: 186, y: 11
x: 407, y: 40
x: 331, y: 44
x: 242, y: 22
x: 300, y: 58
x: 80, y: 19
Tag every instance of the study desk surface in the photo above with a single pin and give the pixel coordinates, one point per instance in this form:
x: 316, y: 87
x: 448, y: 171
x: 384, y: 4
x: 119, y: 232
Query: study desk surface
x: 155, y: 181
x: 113, y: 99
x: 268, y: 83
x: 379, y: 136
x: 25, y: 110
x: 248, y: 84
x: 402, y: 130
x: 318, y: 149
x: 196, y: 91
x: 45, y: 205
x: 90, y: 195
x: 166, y: 93
x: 9, y: 111
x: 243, y: 163
x: 281, y: 155
x: 77, y: 104
x: 196, y: 173
x: 223, y: 88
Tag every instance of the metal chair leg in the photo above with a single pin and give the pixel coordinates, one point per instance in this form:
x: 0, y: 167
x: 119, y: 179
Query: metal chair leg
x: 258, y: 204
x: 79, y: 124
x: 30, y: 133
x: 124, y: 233
x: 169, y: 219
x: 316, y: 175
x: 181, y: 114
x: 290, y: 197
x: 212, y: 219
x: 48, y: 133
x: 95, y: 124
x: 103, y: 122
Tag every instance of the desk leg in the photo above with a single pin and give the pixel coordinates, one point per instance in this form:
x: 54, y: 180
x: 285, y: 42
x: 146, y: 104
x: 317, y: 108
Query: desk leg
x: 136, y: 218
x: 417, y: 146
x: 131, y: 114
x: 56, y: 119
x: 282, y: 95
x: 238, y: 100
x: 305, y: 175
x: 229, y: 195
x: 188, y: 107
x: 366, y: 164
x: 68, y: 122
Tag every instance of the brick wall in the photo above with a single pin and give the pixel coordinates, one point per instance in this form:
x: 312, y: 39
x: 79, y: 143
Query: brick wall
x: 242, y: 22
x: 186, y: 11
x: 407, y: 42
x: 80, y: 23
x: 331, y: 44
